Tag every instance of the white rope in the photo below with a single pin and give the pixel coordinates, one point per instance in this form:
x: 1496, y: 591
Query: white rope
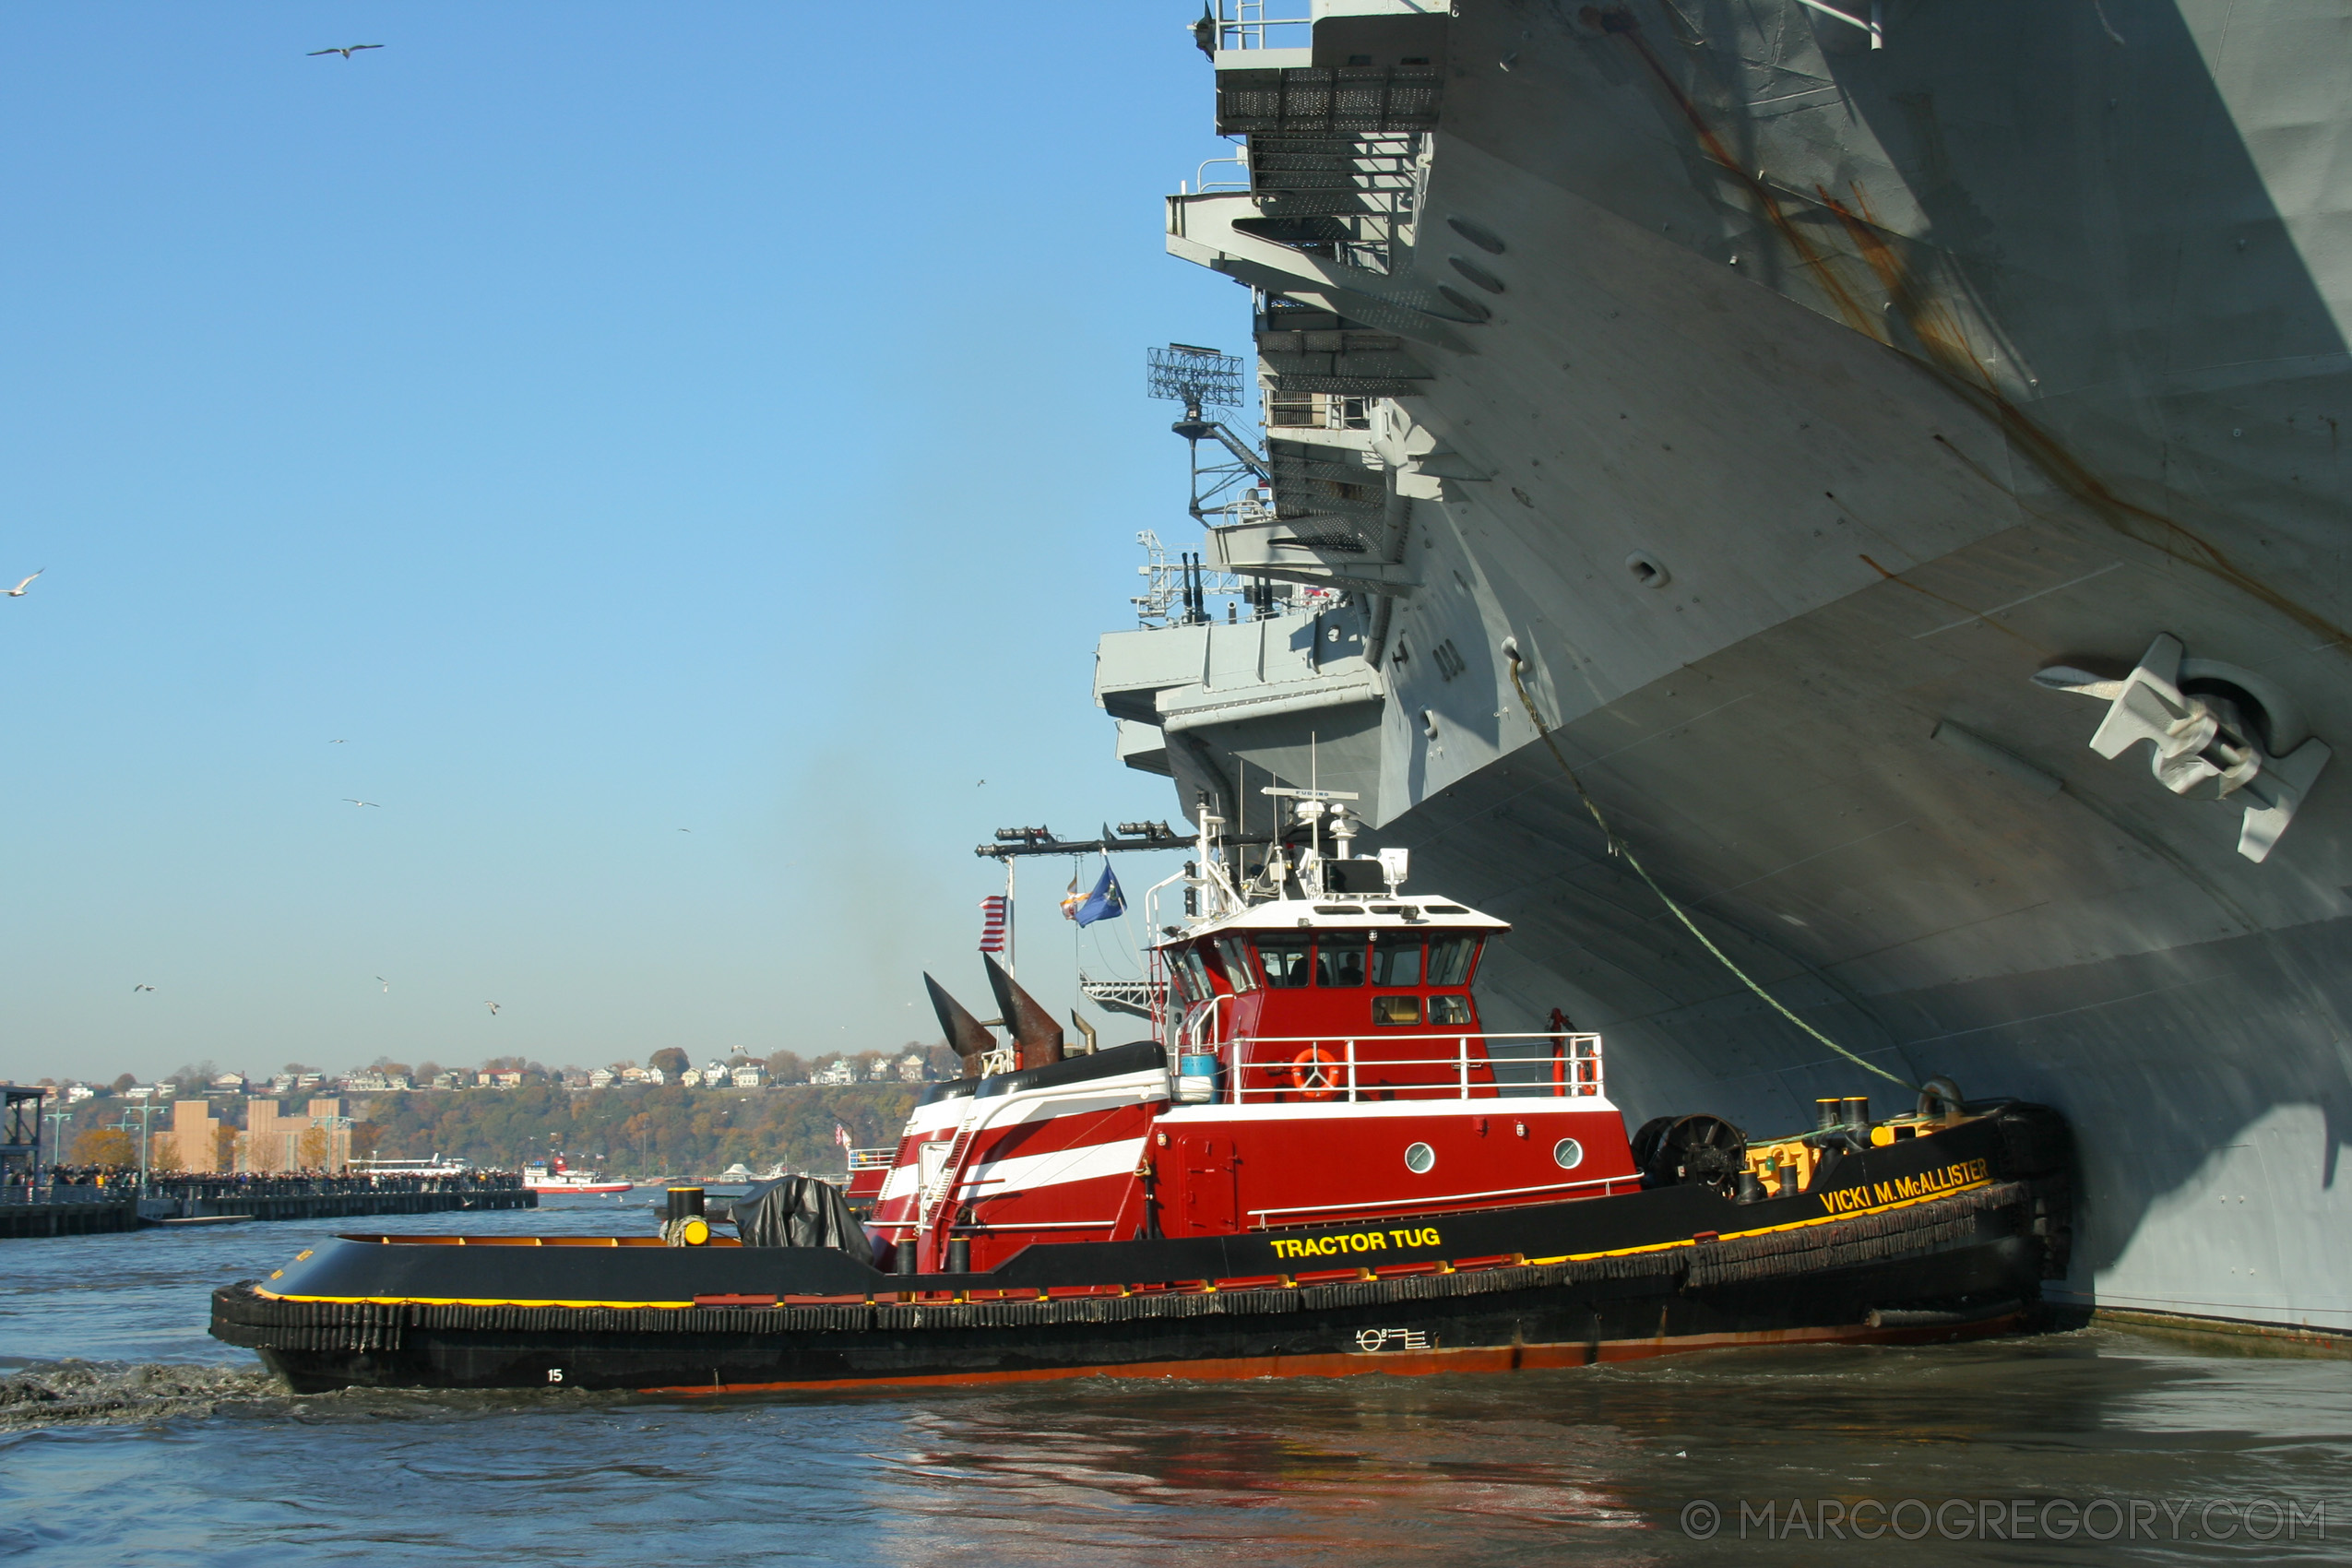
x: 1624, y: 851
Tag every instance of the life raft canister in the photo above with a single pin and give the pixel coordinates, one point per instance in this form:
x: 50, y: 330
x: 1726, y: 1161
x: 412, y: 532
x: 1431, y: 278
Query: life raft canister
x: 1313, y: 1072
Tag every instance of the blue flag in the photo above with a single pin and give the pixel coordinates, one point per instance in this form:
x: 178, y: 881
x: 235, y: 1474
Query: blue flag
x: 1104, y: 902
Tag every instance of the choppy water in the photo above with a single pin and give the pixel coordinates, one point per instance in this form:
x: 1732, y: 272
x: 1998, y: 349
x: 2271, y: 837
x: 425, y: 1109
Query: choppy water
x: 127, y: 1436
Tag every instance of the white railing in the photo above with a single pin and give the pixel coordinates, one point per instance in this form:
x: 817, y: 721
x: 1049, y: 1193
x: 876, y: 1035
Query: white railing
x: 872, y: 1159
x: 1244, y: 24
x: 1324, y: 1067
x: 1203, y: 185
x: 1198, y: 1031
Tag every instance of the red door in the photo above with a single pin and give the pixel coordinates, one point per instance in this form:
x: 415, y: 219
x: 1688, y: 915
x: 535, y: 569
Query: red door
x: 1208, y: 1206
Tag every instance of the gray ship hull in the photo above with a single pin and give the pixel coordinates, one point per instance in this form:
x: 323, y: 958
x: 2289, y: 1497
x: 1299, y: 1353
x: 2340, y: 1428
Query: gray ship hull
x: 1791, y: 404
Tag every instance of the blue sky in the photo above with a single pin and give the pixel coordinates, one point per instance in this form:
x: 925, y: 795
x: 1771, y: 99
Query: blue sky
x: 605, y: 421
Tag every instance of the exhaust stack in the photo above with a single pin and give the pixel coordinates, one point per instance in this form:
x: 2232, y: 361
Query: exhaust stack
x: 1033, y: 1027
x: 969, y: 1039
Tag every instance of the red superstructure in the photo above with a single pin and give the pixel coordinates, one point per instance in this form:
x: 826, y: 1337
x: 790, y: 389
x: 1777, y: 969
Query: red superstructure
x: 1318, y: 1060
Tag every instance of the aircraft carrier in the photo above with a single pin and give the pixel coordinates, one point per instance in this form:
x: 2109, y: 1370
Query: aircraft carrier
x: 1903, y: 444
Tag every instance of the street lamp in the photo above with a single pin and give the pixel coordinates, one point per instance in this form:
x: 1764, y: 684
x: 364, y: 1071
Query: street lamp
x: 147, y: 1115
x: 335, y: 1125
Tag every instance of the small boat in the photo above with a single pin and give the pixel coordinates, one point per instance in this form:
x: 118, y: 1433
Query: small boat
x: 549, y: 1178
x: 1322, y: 1163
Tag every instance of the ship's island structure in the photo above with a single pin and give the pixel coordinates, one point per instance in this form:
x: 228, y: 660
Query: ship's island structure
x: 1898, y: 449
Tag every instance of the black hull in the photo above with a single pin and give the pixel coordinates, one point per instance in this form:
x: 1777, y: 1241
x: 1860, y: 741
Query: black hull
x: 1677, y: 1270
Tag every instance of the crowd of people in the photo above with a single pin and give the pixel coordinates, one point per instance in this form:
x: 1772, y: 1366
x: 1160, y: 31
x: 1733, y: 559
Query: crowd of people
x: 19, y: 1185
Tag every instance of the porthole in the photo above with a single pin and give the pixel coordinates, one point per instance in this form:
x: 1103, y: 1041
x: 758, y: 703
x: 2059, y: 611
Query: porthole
x: 1476, y: 274
x: 1461, y: 306
x: 1418, y: 1158
x: 1649, y: 570
x: 1484, y: 238
x: 1567, y: 1154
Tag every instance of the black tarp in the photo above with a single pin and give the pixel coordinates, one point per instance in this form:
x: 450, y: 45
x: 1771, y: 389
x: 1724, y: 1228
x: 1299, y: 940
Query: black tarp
x: 799, y: 1211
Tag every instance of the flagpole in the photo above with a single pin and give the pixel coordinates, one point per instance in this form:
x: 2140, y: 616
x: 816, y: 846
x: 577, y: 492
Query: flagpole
x: 1012, y: 950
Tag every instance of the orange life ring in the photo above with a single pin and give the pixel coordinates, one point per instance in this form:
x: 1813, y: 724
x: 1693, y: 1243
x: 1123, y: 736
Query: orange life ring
x: 1313, y: 1075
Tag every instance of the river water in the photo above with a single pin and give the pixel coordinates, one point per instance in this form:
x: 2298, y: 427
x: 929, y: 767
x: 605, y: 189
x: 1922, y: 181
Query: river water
x: 128, y: 1436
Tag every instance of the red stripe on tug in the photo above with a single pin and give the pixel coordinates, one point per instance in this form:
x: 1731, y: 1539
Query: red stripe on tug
x: 1322, y: 1060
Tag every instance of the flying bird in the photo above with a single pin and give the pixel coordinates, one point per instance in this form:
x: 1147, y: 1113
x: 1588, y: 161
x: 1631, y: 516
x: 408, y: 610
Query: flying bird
x: 19, y: 591
x: 346, y: 50
x: 492, y: 1006
x: 385, y: 983
x: 135, y: 990
x: 377, y: 804
x: 338, y: 742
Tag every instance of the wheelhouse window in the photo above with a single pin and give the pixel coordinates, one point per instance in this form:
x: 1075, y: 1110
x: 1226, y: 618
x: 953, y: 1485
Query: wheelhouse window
x: 1397, y: 1010
x: 1235, y: 954
x: 1450, y: 959
x: 1195, y: 968
x: 1282, y: 960
x: 1396, y: 958
x: 1340, y: 959
x: 1449, y: 1010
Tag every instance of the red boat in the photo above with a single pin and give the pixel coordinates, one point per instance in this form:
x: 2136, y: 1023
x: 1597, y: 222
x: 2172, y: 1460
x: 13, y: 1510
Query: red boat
x: 1323, y: 1162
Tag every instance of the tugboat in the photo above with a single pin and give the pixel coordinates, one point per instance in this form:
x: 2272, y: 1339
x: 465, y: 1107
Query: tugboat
x: 548, y: 1178
x: 1322, y: 1163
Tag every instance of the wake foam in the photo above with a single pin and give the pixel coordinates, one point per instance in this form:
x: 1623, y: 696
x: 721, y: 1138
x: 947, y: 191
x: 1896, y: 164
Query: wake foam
x: 110, y: 1393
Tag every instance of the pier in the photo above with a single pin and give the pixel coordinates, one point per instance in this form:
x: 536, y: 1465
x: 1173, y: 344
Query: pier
x: 65, y: 1208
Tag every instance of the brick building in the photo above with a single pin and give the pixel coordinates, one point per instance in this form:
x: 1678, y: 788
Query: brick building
x: 194, y: 1136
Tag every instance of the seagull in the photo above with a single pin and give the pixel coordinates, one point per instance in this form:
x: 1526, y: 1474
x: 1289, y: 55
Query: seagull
x: 346, y: 52
x: 492, y: 1006
x: 385, y: 983
x: 686, y: 830
x: 139, y: 988
x: 344, y: 743
x: 377, y: 804
x: 19, y: 591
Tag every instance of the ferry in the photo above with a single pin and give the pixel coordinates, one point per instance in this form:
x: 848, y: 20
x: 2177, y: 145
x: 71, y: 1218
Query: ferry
x: 550, y: 1178
x: 1320, y: 1163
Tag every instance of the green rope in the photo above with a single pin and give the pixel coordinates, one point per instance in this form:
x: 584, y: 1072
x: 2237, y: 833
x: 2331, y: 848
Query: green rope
x: 1624, y: 851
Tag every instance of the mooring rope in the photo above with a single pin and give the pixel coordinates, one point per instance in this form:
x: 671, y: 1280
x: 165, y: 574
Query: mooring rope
x: 1624, y: 851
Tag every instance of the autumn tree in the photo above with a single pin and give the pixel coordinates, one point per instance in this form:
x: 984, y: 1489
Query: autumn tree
x: 670, y: 1060
x: 105, y: 1146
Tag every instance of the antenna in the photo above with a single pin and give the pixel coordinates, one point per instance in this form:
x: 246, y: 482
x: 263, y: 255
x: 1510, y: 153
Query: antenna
x: 1201, y: 379
x: 1198, y: 378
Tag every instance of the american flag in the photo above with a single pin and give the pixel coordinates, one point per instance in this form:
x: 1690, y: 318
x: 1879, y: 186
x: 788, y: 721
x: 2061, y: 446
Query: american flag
x: 996, y: 916
x: 841, y: 1134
